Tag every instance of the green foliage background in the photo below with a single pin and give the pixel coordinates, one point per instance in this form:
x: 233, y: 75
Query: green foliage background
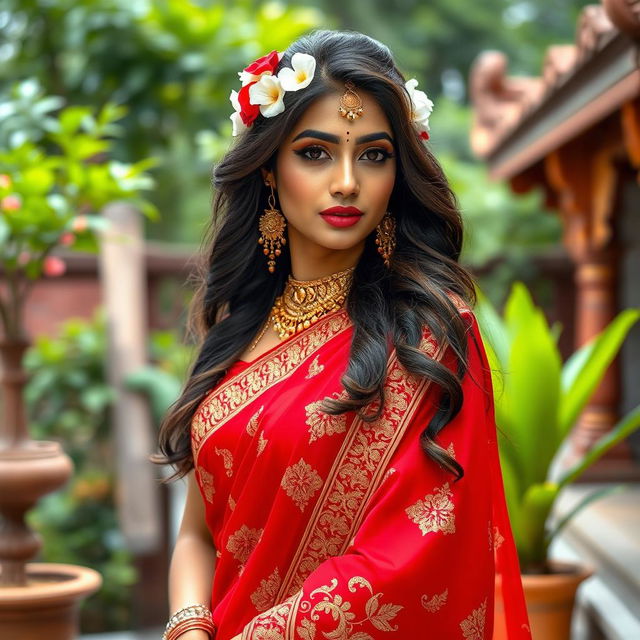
x: 69, y: 400
x: 173, y: 64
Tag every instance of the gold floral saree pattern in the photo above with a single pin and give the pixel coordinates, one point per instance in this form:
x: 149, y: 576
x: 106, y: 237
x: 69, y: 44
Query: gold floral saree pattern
x: 356, y: 474
x: 323, y: 424
x: 242, y: 543
x: 347, y: 530
x: 264, y: 596
x: 206, y: 481
x: 435, y: 603
x: 300, y: 482
x: 226, y: 401
x: 435, y: 512
x: 349, y: 624
x: 473, y: 625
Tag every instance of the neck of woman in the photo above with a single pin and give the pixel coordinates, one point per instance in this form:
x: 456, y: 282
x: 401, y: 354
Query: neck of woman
x: 320, y: 263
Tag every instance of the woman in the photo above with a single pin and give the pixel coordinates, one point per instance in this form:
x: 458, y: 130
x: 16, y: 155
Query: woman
x: 337, y: 428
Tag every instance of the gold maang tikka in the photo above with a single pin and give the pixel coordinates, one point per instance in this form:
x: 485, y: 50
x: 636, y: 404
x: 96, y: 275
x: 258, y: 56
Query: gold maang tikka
x: 386, y: 237
x: 272, y: 225
x: 350, y: 102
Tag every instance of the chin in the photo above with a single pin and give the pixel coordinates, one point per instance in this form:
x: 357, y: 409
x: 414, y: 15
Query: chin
x: 344, y: 243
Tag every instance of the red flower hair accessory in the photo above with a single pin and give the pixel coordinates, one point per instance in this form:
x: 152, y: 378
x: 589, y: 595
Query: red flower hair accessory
x: 262, y: 92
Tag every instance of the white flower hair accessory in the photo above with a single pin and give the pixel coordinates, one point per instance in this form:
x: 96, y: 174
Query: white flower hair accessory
x: 421, y: 108
x: 263, y: 93
x: 300, y: 75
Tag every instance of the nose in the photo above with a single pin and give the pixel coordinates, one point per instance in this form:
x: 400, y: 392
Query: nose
x: 345, y: 181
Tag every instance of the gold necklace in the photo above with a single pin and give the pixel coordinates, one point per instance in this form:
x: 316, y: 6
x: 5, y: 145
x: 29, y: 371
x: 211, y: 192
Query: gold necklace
x: 304, y: 302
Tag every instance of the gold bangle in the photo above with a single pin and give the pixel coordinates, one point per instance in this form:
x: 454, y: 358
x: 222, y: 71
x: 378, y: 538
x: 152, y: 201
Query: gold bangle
x: 192, y: 613
x: 191, y: 624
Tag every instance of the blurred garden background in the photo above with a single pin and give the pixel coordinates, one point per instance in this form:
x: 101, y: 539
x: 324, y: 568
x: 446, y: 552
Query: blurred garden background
x: 132, y: 98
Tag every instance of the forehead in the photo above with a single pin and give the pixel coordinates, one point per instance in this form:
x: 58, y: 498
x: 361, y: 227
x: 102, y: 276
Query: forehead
x: 323, y: 114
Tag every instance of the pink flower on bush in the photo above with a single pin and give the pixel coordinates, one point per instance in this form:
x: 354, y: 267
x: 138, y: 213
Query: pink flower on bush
x: 23, y: 257
x: 67, y: 238
x: 53, y: 266
x: 10, y: 203
x: 80, y: 224
x: 5, y: 181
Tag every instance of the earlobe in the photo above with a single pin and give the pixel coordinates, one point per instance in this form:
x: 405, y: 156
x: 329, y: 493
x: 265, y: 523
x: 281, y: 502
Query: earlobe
x: 268, y: 177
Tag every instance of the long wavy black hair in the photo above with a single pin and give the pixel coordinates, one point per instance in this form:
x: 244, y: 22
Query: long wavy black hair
x: 385, y: 305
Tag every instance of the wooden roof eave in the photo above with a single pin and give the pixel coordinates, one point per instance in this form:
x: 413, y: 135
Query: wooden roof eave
x: 586, y: 96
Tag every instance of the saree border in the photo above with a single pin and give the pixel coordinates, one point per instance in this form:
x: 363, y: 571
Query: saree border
x: 226, y: 401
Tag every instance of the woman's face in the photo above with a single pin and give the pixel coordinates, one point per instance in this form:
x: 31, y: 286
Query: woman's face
x: 328, y: 161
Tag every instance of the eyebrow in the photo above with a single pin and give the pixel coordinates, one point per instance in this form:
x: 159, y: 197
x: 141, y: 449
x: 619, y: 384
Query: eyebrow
x: 329, y: 137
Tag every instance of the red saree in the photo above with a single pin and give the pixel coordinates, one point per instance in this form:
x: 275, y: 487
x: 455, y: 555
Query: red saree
x: 331, y: 528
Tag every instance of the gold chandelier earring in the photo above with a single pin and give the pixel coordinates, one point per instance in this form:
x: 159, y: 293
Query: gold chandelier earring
x: 386, y: 237
x: 272, y: 225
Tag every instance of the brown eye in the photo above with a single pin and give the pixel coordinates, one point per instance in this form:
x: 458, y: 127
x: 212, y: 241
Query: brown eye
x: 311, y: 153
x: 376, y: 155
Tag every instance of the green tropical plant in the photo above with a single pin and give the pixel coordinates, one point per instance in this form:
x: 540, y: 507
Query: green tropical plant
x: 537, y: 402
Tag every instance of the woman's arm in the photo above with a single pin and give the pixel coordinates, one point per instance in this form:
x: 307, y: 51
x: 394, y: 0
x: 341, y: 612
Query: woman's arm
x: 193, y: 560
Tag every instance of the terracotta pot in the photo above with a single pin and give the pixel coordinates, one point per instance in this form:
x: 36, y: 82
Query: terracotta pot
x: 47, y: 607
x: 550, y: 599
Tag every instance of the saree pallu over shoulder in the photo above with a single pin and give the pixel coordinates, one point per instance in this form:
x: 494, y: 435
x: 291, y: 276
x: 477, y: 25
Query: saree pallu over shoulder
x: 356, y: 474
x: 395, y: 548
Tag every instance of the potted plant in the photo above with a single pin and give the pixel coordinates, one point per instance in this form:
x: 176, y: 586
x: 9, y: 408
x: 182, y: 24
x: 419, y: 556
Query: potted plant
x: 537, y: 402
x: 55, y: 176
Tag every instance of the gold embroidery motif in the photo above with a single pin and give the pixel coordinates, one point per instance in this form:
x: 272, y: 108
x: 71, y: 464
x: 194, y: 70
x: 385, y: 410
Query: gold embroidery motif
x: 451, y: 450
x: 265, y: 595
x: 340, y: 610
x: 252, y: 425
x: 272, y: 624
x: 497, y: 539
x: 314, y: 368
x: 206, y: 482
x: 242, y: 543
x: 428, y: 345
x: 267, y: 634
x: 226, y: 401
x: 227, y: 460
x: 435, y: 603
x: 307, y: 630
x: 262, y: 443
x: 323, y: 424
x: 232, y: 503
x: 473, y: 625
x: 300, y: 482
x: 435, y: 512
x: 365, y: 453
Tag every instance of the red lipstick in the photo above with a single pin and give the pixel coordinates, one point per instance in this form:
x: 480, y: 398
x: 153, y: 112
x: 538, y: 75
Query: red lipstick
x: 341, y: 216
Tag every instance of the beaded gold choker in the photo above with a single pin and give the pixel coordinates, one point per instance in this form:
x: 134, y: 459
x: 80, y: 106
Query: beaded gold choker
x: 304, y: 302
